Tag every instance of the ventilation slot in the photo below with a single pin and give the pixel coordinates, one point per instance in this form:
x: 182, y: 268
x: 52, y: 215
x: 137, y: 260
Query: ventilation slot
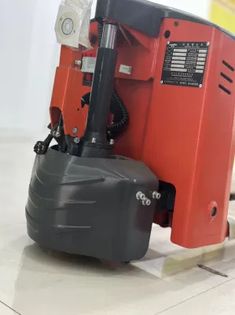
x: 226, y: 77
x: 224, y: 89
x: 231, y: 68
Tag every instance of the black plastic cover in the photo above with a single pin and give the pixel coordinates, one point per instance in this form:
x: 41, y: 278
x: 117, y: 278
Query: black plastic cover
x: 89, y: 206
x: 142, y: 15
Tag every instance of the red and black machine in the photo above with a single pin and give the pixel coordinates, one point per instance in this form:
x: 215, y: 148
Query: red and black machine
x: 144, y: 128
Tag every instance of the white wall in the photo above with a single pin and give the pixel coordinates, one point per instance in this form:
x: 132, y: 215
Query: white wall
x: 197, y: 7
x: 29, y: 54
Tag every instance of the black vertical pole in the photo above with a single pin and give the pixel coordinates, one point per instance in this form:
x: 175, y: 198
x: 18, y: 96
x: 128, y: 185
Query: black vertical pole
x: 95, y: 142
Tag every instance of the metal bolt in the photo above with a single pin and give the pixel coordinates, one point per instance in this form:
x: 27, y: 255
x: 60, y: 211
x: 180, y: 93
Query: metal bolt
x: 93, y: 140
x: 200, y: 86
x: 78, y: 63
x: 76, y: 140
x: 140, y: 195
x: 156, y: 195
x: 161, y: 81
x: 112, y: 142
x: 143, y: 197
x: 208, y: 43
x: 146, y: 202
x: 57, y: 133
x: 75, y: 130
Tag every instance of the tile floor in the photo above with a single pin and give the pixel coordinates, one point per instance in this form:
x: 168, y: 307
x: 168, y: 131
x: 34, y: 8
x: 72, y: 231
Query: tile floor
x: 36, y: 282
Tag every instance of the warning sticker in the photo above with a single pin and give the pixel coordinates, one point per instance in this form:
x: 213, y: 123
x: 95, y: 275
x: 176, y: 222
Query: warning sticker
x: 185, y: 63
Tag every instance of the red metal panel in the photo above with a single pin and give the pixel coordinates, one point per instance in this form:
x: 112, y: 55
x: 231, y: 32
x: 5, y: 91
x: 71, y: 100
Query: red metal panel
x: 190, y: 142
x: 67, y: 93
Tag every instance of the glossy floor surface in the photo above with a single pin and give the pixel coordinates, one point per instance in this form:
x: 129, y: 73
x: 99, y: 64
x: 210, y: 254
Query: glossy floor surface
x: 37, y: 282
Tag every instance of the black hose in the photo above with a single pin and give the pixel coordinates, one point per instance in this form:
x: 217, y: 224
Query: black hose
x: 118, y: 109
x: 121, y: 116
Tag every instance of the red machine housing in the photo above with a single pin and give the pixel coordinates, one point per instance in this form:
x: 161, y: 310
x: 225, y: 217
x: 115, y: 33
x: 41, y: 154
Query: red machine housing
x: 184, y: 134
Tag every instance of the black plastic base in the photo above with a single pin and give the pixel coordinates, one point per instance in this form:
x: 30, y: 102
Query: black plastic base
x: 89, y: 206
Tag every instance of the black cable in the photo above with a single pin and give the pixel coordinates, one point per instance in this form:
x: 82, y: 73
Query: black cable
x: 121, y: 116
x: 118, y: 109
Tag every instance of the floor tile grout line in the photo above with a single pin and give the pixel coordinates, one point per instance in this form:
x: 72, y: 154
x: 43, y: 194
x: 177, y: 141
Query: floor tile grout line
x: 12, y: 309
x: 194, y: 296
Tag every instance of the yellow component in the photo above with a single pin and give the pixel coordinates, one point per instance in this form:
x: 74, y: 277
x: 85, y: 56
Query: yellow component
x: 223, y: 14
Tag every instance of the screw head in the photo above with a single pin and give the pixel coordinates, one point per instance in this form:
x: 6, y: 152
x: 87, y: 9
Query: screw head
x: 146, y: 202
x: 75, y: 130
x: 57, y: 134
x: 76, y: 140
x: 140, y: 196
x: 156, y: 195
x: 78, y: 63
x: 93, y: 140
